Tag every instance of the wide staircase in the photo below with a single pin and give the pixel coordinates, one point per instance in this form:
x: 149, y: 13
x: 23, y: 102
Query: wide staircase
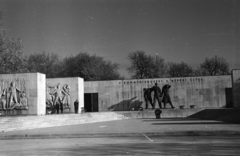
x: 13, y: 123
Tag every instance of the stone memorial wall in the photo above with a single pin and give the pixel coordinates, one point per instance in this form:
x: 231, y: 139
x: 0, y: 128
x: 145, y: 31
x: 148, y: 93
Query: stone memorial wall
x: 68, y: 90
x: 33, y: 94
x: 236, y: 88
x: 203, y: 92
x: 22, y: 94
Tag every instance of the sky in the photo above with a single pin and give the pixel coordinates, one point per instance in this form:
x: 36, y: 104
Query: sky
x: 176, y: 30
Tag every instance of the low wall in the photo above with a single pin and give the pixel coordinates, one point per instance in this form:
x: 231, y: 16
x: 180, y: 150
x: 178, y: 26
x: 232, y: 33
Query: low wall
x: 119, y: 95
x: 22, y: 94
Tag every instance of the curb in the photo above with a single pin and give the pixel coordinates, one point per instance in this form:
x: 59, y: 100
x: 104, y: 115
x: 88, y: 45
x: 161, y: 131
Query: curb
x: 98, y: 135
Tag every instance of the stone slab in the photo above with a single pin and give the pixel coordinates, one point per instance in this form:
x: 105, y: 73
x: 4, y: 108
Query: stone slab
x: 76, y: 91
x: 24, y: 94
x: 236, y: 87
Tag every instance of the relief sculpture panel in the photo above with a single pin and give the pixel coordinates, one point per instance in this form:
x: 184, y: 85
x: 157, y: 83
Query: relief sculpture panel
x: 58, y: 96
x: 13, y: 94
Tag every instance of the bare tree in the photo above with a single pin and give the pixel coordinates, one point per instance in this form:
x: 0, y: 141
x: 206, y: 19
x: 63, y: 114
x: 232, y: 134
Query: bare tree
x: 140, y: 64
x: 158, y: 67
x: 179, y: 70
x: 12, y: 59
x: 89, y: 67
x: 213, y: 66
x: 146, y: 66
x: 47, y: 63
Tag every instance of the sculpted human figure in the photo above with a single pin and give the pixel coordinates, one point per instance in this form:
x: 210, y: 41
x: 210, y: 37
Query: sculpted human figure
x: 148, y: 97
x: 13, y: 94
x: 3, y: 101
x: 57, y: 95
x: 166, y: 96
x: 157, y: 95
x: 66, y: 95
x: 49, y: 97
x: 23, y: 101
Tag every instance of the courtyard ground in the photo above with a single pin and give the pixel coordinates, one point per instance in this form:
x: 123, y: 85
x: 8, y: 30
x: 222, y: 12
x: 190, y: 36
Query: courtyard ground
x: 168, y: 136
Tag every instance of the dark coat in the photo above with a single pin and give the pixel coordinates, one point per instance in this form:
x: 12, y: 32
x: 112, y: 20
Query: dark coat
x: 76, y: 105
x: 166, y: 96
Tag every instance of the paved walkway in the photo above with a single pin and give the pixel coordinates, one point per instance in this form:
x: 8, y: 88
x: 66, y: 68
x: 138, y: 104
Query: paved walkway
x: 131, y: 127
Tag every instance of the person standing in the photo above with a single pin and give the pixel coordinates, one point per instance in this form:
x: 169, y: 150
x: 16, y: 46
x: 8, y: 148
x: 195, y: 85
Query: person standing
x: 57, y: 107
x: 166, y: 96
x: 61, y: 107
x: 157, y: 95
x: 76, y: 106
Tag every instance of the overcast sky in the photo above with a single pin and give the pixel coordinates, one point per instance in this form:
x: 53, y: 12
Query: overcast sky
x: 177, y: 30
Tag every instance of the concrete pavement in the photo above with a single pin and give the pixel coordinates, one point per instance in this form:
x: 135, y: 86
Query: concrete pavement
x: 139, y: 136
x: 209, y: 122
x: 132, y: 127
x: 137, y: 145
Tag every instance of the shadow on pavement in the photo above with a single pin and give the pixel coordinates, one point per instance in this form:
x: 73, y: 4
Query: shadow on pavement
x: 185, y: 121
x: 192, y: 123
x: 169, y: 119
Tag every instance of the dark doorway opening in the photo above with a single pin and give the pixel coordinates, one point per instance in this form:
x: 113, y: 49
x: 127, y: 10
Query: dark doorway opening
x: 229, y: 101
x: 91, y: 102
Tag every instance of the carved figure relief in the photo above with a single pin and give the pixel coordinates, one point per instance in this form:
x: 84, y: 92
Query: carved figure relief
x: 3, y: 102
x: 66, y: 95
x: 23, y: 101
x: 13, y: 90
x: 13, y: 95
x: 49, y: 97
x: 58, y: 95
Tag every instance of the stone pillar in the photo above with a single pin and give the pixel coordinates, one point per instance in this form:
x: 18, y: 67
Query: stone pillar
x: 80, y: 94
x: 236, y: 88
x: 22, y: 94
